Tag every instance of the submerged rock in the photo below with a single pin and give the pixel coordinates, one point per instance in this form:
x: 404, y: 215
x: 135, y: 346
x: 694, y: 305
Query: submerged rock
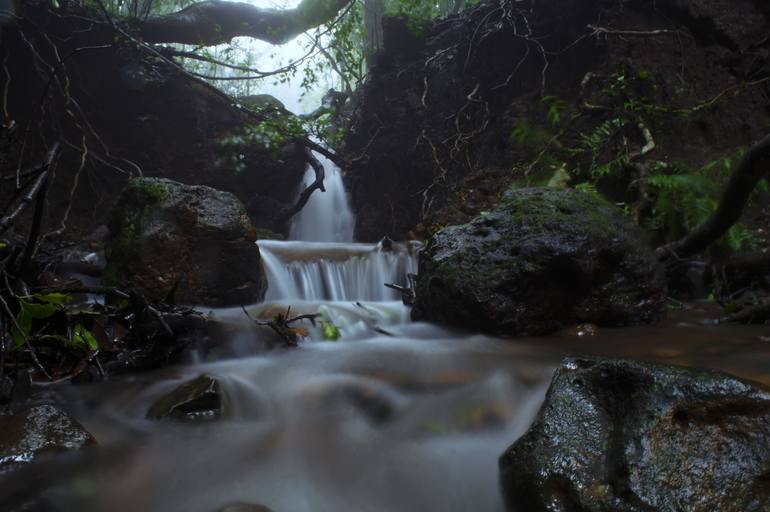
x: 28, y: 434
x: 196, y: 400
x: 192, y: 242
x: 543, y: 259
x: 631, y: 436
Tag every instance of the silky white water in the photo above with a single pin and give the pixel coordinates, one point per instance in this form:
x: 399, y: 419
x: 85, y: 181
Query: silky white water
x: 336, y: 272
x: 327, y: 216
x: 394, y: 416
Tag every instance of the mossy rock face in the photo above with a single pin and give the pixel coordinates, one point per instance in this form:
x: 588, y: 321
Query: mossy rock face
x: 631, y: 436
x: 543, y: 259
x: 193, y: 240
x: 33, y: 432
x: 197, y: 400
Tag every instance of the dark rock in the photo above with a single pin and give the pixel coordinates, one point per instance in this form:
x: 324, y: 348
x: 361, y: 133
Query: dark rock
x: 28, y: 434
x: 545, y: 258
x: 198, y: 399
x: 194, y: 241
x: 617, y: 435
x: 244, y: 507
x: 736, y: 24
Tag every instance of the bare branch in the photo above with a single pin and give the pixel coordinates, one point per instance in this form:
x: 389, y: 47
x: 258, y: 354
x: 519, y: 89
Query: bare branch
x: 318, y: 184
x: 7, y: 221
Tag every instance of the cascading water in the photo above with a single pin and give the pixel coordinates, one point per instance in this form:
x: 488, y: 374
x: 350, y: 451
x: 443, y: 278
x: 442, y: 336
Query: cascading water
x: 336, y: 272
x: 327, y: 216
x: 342, y: 281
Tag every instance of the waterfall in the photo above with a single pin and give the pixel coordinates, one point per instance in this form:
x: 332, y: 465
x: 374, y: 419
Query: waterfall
x: 320, y: 262
x: 327, y: 216
x: 317, y: 271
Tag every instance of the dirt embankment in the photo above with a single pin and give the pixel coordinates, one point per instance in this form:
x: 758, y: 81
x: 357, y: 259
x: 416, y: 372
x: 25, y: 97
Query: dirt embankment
x: 602, y: 92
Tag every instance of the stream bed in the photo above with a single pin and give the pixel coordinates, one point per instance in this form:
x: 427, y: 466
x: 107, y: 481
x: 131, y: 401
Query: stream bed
x: 394, y: 416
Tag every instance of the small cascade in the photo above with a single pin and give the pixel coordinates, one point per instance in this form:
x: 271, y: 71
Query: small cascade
x: 321, y: 271
x: 327, y: 216
x: 314, y: 271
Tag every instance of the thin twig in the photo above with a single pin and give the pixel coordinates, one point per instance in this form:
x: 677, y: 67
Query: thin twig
x: 8, y: 220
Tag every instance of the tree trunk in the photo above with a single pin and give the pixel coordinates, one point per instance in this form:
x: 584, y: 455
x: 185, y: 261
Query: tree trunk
x: 213, y: 22
x: 374, y: 10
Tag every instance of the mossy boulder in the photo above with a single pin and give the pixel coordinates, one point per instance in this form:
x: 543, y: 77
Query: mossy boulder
x: 193, y: 242
x: 630, y: 436
x: 28, y: 434
x: 543, y: 259
x: 200, y: 399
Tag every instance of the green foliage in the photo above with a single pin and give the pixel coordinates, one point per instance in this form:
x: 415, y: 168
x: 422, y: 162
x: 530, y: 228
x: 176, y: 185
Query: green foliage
x: 330, y: 331
x: 31, y: 308
x: 555, y: 107
x: 595, y: 142
x: 38, y: 309
x: 270, y: 134
x: 82, y: 336
x: 684, y: 198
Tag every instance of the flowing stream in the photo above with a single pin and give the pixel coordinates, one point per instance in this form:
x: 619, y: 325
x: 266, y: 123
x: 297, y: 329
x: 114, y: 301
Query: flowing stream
x: 394, y: 416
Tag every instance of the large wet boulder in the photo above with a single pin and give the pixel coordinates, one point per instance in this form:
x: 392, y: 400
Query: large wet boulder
x: 193, y: 242
x: 618, y: 435
x: 28, y: 434
x: 544, y: 258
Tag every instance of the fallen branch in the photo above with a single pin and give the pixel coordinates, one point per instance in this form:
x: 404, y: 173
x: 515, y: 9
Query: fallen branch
x: 304, y: 197
x: 281, y: 324
x: 408, y: 294
x: 754, y: 165
x: 7, y: 221
x: 620, y: 32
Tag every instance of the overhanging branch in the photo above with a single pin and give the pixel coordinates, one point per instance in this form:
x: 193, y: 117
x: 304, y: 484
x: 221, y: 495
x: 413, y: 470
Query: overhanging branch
x: 213, y: 22
x: 754, y: 165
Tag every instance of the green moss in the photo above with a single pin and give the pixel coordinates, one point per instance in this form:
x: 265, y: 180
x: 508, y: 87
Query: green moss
x: 150, y: 189
x: 266, y: 234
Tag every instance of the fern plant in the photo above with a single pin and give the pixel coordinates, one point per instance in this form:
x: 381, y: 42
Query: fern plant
x: 685, y: 198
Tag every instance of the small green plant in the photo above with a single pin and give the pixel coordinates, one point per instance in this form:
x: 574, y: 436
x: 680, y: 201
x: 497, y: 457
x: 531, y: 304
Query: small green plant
x: 37, y: 309
x: 555, y: 107
x: 330, y: 331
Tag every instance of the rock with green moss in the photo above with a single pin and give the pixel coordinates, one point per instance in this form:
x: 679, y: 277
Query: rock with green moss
x: 29, y: 434
x: 619, y: 435
x: 197, y: 400
x: 192, y: 244
x: 543, y: 259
